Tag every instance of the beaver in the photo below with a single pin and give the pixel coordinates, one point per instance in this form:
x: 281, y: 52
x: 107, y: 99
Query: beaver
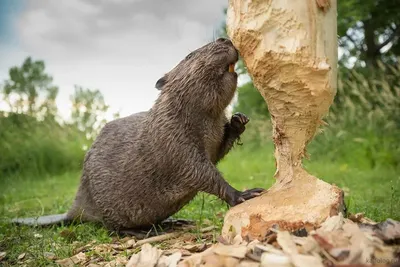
x: 143, y: 168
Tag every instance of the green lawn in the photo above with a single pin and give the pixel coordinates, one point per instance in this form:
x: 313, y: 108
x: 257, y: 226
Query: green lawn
x: 373, y: 191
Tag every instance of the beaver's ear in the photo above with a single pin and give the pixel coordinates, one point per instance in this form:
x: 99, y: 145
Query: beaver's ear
x: 161, y: 82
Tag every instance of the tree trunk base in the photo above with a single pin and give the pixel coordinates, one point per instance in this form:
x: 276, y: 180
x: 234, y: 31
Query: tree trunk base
x: 302, y: 203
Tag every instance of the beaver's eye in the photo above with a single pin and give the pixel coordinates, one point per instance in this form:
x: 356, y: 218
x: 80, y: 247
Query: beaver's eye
x: 190, y: 56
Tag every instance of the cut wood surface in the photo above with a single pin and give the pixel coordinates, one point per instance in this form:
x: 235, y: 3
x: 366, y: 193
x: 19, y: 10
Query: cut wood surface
x: 290, y: 51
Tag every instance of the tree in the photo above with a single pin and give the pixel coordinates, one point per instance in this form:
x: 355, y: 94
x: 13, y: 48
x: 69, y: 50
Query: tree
x: 296, y: 73
x: 29, y: 90
x: 369, y: 31
x: 88, y: 111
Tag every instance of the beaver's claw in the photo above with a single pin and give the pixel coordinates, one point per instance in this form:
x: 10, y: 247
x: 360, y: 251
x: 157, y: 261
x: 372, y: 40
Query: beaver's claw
x: 238, y: 122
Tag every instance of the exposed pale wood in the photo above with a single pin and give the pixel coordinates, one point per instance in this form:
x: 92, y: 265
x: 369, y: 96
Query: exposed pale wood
x: 290, y: 50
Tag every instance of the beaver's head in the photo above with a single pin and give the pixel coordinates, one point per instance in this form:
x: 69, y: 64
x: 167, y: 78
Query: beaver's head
x: 206, y: 76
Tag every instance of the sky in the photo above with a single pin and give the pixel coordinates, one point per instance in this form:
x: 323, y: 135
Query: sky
x: 121, y: 47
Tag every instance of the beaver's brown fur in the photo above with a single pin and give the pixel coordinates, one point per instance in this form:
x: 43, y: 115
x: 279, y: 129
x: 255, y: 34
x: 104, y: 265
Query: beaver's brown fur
x: 143, y: 168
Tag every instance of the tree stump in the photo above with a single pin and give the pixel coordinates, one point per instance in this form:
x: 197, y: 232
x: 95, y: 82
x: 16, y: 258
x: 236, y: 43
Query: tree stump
x: 290, y: 50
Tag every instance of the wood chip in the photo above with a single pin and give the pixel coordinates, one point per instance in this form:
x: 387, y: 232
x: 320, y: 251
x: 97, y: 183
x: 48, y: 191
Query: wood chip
x: 3, y: 255
x: 214, y: 260
x: 74, y: 260
x: 286, y: 242
x: 231, y: 251
x: 388, y: 231
x: 195, y: 247
x: 360, y: 218
x: 332, y: 223
x: 208, y: 229
x: 310, y: 245
x: 158, y: 238
x: 268, y: 248
x: 237, y: 240
x: 322, y: 242
x: 170, y: 261
x: 130, y: 243
x: 300, y: 260
x: 147, y: 257
x: 248, y: 263
x: 21, y: 256
x: 270, y: 259
x: 361, y: 246
x: 133, y: 260
x: 196, y: 259
x: 339, y: 254
x: 49, y: 255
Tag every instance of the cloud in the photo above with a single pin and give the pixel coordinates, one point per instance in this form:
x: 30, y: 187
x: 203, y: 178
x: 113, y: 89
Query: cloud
x: 119, y: 47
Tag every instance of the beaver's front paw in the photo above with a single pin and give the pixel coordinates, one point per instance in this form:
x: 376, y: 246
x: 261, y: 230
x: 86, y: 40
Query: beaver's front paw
x: 238, y: 122
x: 236, y: 197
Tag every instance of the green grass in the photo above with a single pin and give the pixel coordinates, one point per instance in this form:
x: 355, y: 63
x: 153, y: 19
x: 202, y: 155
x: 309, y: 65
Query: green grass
x: 372, y: 190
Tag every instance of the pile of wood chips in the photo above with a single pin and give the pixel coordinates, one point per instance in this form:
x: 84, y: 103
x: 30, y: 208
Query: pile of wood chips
x: 343, y: 242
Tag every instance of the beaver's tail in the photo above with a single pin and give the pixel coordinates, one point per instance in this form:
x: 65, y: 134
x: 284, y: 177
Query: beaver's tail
x: 43, y: 220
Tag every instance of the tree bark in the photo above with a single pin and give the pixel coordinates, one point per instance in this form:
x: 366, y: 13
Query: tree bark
x: 290, y: 50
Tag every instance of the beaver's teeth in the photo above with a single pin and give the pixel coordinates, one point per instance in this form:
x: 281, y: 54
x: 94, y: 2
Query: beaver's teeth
x: 231, y: 67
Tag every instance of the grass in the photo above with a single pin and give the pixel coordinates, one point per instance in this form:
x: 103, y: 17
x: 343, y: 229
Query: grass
x: 359, y: 152
x: 373, y: 191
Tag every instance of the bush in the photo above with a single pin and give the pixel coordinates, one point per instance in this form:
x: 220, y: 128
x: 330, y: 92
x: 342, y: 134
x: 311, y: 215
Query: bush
x: 38, y: 147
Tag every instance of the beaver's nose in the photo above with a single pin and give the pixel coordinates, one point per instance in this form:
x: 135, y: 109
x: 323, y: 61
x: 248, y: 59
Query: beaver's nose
x: 224, y: 41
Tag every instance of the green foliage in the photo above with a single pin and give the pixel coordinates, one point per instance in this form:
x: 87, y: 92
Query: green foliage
x: 33, y: 138
x: 29, y: 90
x: 251, y: 102
x: 366, y: 27
x: 88, y: 111
x: 364, y: 120
x: 33, y: 147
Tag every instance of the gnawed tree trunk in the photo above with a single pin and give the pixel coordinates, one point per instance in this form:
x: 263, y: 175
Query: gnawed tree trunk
x: 290, y: 50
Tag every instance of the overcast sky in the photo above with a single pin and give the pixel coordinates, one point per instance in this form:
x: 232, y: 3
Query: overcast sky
x: 120, y: 47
